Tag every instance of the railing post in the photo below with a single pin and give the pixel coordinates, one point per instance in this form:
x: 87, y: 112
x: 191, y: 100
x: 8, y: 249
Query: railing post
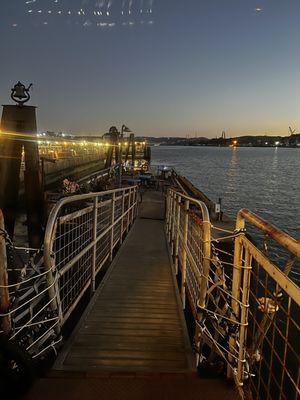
x: 244, y: 316
x: 5, y: 322
x: 170, y: 217
x: 176, y: 254
x: 173, y: 226
x: 94, y: 256
x: 136, y: 208
x: 236, y: 286
x: 113, y: 199
x: 168, y: 210
x: 52, y: 280
x: 132, y: 208
x: 128, y: 211
x: 206, y: 240
x: 122, y: 219
x: 184, y: 253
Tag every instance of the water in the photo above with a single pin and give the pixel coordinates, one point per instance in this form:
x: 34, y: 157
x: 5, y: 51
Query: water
x: 265, y: 180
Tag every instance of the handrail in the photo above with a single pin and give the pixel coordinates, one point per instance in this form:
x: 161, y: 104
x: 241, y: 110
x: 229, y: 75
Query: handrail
x: 50, y: 232
x: 282, y: 238
x: 249, y: 262
x: 99, y: 174
x: 55, y: 210
x: 206, y: 239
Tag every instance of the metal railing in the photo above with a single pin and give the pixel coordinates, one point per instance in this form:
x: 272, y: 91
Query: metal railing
x: 266, y: 301
x: 25, y: 307
x: 188, y: 232
x: 81, y: 235
x: 189, y: 236
x: 39, y: 290
x: 245, y: 308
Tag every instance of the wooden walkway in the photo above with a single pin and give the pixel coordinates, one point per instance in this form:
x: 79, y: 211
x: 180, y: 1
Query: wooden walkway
x: 132, y: 341
x: 134, y: 322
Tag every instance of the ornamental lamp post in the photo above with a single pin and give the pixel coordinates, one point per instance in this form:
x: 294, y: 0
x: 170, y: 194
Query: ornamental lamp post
x: 124, y: 128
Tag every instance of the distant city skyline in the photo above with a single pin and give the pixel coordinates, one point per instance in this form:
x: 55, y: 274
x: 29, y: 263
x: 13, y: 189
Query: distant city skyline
x: 164, y: 68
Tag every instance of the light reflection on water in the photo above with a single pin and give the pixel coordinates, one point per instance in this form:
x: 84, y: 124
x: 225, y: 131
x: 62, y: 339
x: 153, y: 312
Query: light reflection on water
x: 265, y: 180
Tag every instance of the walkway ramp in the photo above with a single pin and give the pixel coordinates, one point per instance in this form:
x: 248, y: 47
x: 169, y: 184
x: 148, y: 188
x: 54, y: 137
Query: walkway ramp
x: 132, y: 341
x: 134, y: 322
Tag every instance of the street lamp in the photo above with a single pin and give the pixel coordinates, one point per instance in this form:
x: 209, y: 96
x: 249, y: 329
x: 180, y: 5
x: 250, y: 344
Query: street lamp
x: 124, y: 129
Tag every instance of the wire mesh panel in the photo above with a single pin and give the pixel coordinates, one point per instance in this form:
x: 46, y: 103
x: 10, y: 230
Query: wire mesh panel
x: 195, y: 258
x: 188, y: 232
x: 27, y: 315
x: 269, y: 348
x: 39, y: 290
x: 266, y: 303
x: 81, y: 235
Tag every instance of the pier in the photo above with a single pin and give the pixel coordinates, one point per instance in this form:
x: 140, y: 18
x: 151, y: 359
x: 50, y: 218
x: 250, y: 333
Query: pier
x: 169, y: 297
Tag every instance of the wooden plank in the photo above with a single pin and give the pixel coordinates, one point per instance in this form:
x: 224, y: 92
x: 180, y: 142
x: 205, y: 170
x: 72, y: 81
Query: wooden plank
x: 141, y: 315
x: 118, y: 338
x: 132, y: 332
x: 143, y: 308
x: 138, y: 326
x: 127, y: 364
x: 91, y: 353
x: 113, y: 345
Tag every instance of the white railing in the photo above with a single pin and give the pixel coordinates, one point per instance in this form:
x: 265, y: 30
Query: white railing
x: 188, y: 232
x: 25, y: 306
x: 81, y: 235
x: 39, y: 291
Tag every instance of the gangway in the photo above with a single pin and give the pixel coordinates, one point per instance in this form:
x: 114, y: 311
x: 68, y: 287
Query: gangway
x: 133, y: 331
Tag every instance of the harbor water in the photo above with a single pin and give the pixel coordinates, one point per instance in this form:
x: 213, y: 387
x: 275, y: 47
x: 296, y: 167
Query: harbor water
x: 265, y: 180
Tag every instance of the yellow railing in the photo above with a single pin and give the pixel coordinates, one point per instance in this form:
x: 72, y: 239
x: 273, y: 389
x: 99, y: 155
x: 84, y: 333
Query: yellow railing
x: 266, y: 302
x: 245, y: 308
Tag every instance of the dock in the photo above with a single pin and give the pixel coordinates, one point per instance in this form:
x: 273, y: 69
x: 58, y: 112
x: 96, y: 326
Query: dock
x: 132, y: 340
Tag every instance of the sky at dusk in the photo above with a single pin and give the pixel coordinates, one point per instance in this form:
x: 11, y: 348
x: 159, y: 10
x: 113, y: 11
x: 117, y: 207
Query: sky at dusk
x: 162, y: 67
